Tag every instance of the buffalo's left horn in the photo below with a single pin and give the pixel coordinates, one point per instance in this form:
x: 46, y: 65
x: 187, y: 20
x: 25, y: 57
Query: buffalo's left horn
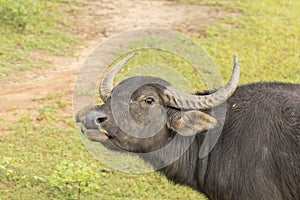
x: 178, y: 99
x: 106, y: 85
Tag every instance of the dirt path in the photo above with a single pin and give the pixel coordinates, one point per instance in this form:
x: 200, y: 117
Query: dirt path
x: 97, y: 21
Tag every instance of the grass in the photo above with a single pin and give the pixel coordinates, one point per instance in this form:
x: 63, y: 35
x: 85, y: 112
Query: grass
x: 43, y: 158
x: 30, y: 33
x: 266, y: 38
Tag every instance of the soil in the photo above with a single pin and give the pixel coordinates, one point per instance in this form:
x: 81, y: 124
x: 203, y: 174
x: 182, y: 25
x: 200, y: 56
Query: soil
x: 96, y: 21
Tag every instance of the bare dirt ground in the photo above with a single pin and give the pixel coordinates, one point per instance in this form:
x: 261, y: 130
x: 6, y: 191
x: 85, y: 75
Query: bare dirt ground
x: 96, y: 21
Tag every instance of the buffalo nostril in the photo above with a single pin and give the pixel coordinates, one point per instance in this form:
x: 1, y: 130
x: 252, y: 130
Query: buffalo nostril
x: 100, y: 120
x: 94, y: 118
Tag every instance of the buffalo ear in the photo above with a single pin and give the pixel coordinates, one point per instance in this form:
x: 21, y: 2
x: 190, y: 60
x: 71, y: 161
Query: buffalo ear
x: 189, y: 123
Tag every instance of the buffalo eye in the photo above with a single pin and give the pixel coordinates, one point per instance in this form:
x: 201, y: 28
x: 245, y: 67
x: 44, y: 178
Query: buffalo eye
x: 149, y: 100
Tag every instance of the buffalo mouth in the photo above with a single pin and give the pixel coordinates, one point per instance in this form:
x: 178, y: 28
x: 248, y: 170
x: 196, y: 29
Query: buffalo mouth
x: 98, y: 135
x: 95, y: 135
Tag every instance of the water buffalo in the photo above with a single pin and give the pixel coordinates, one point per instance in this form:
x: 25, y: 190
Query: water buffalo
x: 256, y: 155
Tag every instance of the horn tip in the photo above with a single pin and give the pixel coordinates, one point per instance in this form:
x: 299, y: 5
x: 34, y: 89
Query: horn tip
x: 235, y: 59
x: 132, y: 54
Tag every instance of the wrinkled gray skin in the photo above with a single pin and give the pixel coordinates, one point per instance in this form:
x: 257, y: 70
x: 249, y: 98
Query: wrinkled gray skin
x: 256, y: 157
x: 99, y: 120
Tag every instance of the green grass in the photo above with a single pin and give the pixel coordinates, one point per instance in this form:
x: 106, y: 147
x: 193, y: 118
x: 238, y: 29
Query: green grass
x: 266, y: 38
x: 43, y: 158
x: 30, y: 32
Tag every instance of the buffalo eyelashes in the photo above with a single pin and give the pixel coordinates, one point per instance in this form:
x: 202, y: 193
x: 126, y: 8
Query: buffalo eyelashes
x: 149, y: 100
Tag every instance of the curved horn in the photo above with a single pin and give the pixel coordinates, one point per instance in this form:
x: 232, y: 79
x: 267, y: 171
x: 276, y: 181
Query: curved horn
x: 106, y: 85
x: 178, y: 99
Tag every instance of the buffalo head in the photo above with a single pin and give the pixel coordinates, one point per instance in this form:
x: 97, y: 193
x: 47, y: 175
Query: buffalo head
x: 143, y: 113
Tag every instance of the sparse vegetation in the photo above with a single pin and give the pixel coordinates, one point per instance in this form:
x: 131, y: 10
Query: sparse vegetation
x: 265, y: 36
x: 30, y: 32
